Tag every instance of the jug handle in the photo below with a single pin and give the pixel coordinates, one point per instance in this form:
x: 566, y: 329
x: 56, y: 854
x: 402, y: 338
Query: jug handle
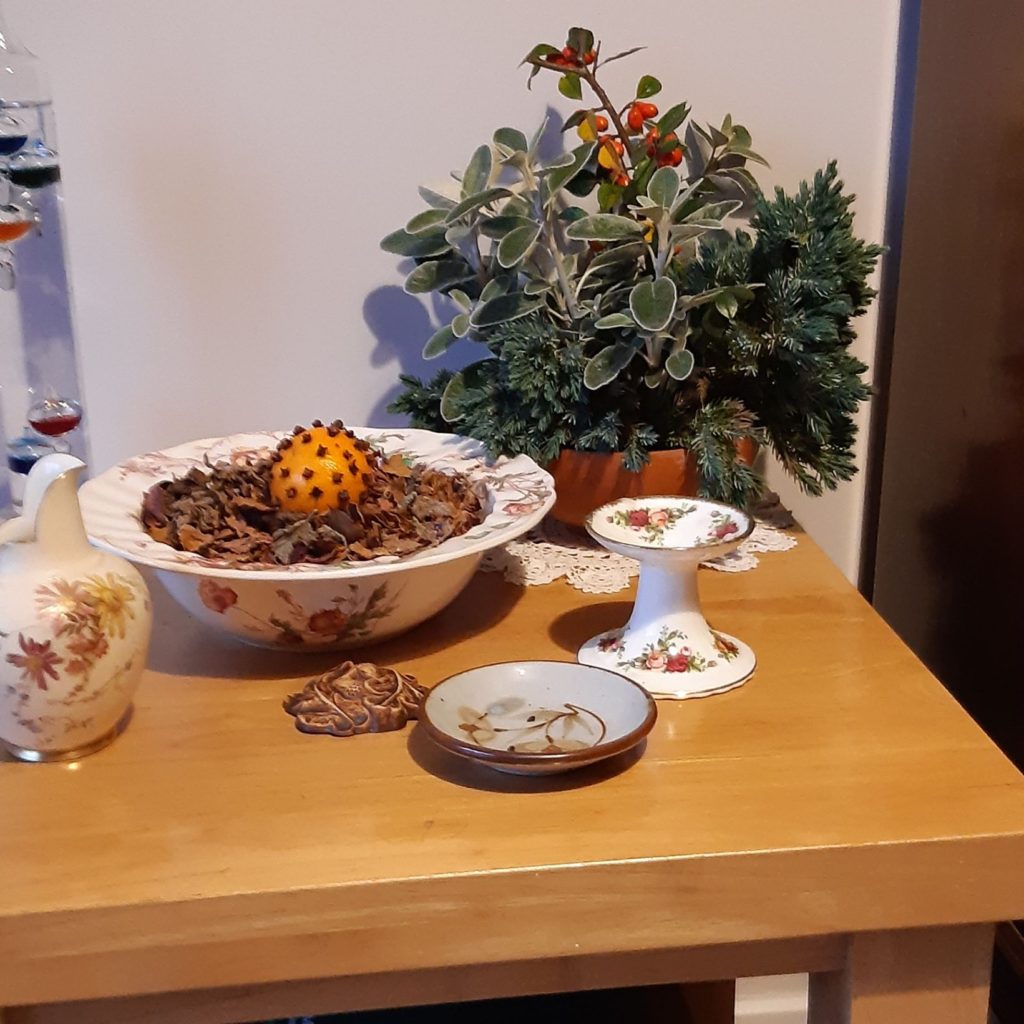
x: 45, y: 472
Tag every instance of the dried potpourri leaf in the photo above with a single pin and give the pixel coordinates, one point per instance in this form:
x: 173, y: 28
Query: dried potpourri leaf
x: 226, y: 512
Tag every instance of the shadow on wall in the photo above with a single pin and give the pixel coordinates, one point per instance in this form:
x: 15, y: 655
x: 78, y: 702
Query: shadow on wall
x: 402, y: 323
x: 973, y: 542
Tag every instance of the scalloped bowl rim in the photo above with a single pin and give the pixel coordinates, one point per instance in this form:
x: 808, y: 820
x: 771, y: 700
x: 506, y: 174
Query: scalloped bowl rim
x: 167, y: 559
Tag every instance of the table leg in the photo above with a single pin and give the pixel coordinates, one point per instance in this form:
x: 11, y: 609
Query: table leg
x: 711, y: 1002
x: 933, y: 975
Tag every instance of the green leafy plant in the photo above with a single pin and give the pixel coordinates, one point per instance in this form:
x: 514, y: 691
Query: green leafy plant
x: 616, y: 309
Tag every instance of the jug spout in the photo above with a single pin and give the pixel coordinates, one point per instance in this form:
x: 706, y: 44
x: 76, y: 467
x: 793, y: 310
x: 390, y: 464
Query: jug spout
x: 51, y: 514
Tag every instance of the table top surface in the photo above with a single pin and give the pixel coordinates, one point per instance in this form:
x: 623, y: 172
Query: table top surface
x: 841, y: 789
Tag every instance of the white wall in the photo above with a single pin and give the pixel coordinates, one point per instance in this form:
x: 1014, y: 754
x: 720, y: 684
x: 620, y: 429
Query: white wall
x: 230, y: 165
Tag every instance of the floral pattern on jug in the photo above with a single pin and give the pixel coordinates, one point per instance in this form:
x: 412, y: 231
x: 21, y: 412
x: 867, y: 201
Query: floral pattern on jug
x: 74, y: 626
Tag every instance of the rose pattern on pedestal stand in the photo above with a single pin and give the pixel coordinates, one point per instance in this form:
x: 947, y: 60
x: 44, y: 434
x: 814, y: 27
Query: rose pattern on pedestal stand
x: 667, y: 646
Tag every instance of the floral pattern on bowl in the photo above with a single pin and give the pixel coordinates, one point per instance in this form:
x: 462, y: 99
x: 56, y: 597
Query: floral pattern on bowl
x: 347, y: 620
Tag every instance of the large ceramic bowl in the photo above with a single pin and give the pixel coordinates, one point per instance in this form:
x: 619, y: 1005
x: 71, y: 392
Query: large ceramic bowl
x: 324, y: 607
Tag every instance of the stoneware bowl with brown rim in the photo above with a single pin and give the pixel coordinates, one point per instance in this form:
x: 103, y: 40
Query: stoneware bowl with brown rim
x: 537, y: 717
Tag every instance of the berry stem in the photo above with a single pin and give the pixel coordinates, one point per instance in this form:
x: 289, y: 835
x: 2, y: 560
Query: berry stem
x: 587, y: 74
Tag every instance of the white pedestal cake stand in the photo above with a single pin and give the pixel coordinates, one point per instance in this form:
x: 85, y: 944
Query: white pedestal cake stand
x: 667, y: 645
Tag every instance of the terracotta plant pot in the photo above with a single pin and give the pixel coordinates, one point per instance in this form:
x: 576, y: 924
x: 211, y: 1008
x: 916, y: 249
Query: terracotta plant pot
x: 586, y: 480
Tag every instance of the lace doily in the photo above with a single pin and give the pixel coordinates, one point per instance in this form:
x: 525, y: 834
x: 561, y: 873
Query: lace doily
x: 552, y: 551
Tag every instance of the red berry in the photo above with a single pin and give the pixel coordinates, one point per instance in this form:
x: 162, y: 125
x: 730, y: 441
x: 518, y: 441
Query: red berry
x: 601, y: 121
x: 589, y: 57
x: 635, y: 118
x: 648, y: 109
x: 675, y: 158
x: 621, y: 179
x: 569, y: 54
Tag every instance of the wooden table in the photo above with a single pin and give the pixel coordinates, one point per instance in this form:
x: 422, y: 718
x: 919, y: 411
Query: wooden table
x: 839, y: 814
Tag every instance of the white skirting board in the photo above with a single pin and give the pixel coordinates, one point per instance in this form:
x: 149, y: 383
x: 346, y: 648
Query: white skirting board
x: 778, y: 1000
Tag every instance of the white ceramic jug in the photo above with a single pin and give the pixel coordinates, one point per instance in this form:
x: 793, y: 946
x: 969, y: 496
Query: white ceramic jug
x: 75, y: 624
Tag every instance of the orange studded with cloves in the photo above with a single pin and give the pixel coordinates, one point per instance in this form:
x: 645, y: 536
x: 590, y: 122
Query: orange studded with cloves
x: 320, y: 468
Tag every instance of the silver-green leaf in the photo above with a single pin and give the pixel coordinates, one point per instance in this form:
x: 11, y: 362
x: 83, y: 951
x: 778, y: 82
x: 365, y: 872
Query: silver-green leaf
x: 429, y: 277
x: 664, y: 186
x: 425, y: 221
x: 616, y: 254
x: 500, y: 226
x: 700, y: 299
x: 563, y: 174
x: 439, y: 342
x: 680, y: 364
x: 503, y: 308
x: 511, y: 137
x: 496, y: 286
x: 605, y: 227
x: 449, y: 408
x: 713, y: 211
x: 615, y: 320
x: 727, y: 304
x: 653, y: 303
x: 603, y: 368
x: 478, y: 172
x: 461, y: 325
x: 402, y: 243
x: 516, y: 244
x: 435, y: 199
x: 475, y: 201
